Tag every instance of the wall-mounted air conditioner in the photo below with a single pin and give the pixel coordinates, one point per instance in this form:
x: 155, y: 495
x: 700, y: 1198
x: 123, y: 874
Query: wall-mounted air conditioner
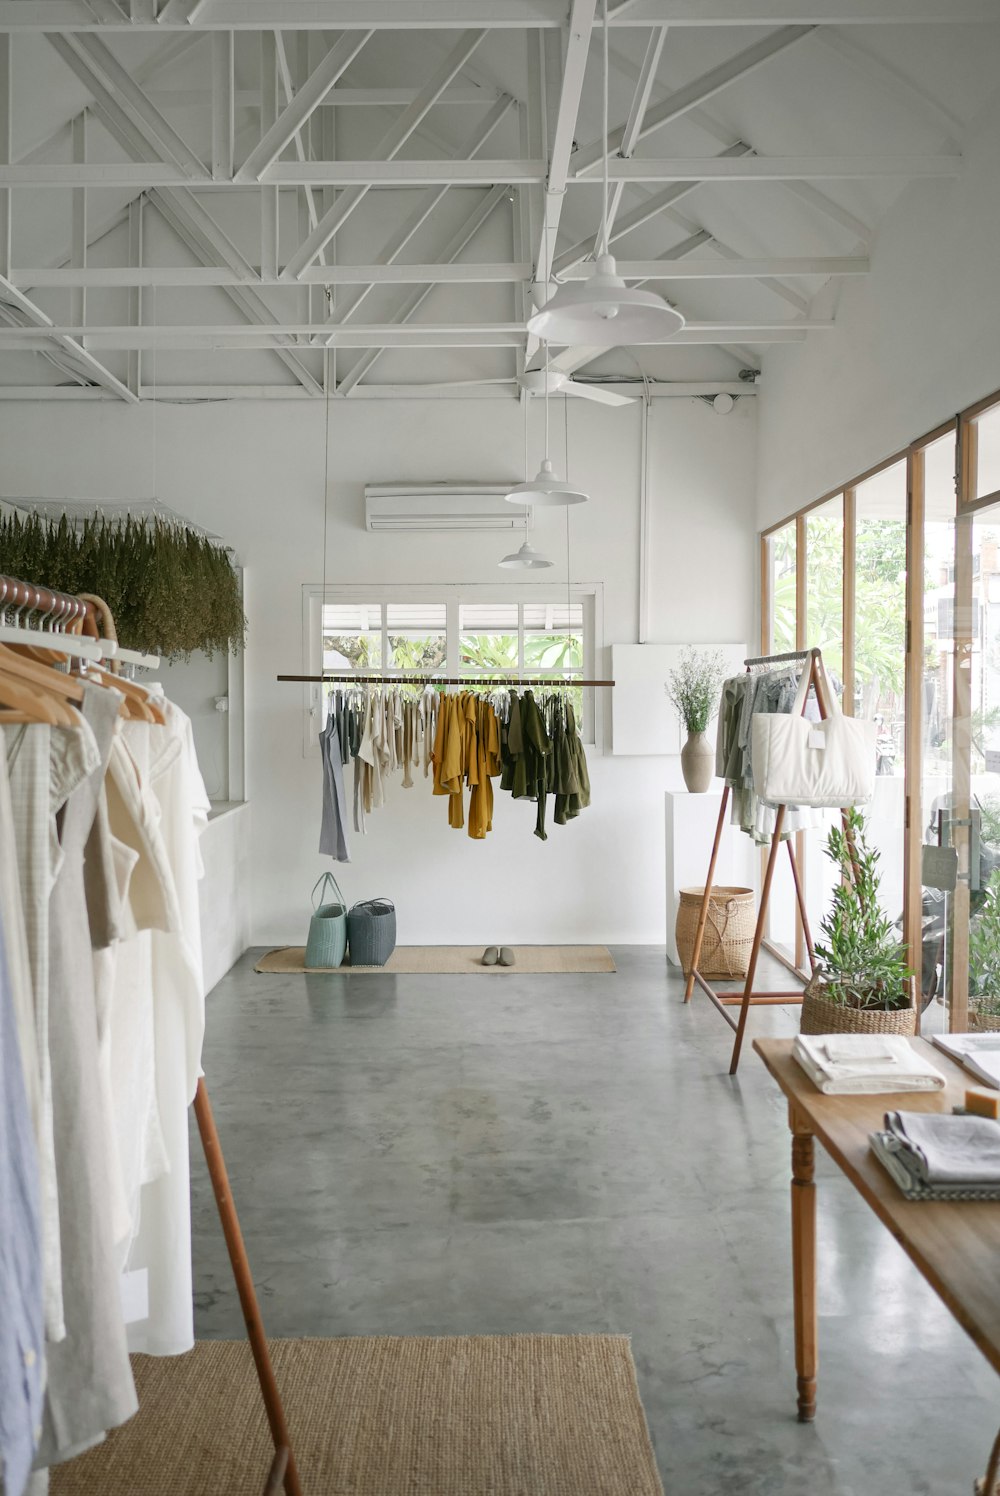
x: 442, y: 506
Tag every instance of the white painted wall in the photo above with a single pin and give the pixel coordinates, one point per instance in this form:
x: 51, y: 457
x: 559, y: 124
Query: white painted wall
x: 254, y: 474
x: 915, y: 341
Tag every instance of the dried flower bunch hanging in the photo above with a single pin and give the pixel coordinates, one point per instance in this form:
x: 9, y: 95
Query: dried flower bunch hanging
x: 171, y: 590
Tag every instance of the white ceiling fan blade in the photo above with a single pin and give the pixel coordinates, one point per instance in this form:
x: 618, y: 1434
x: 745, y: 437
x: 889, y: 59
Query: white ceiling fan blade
x: 595, y: 392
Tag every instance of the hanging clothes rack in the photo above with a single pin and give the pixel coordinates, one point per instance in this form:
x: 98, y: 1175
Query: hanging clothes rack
x: 64, y: 611
x: 748, y: 998
x: 492, y: 682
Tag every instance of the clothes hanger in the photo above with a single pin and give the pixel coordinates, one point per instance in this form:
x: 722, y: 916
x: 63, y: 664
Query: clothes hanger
x: 21, y: 703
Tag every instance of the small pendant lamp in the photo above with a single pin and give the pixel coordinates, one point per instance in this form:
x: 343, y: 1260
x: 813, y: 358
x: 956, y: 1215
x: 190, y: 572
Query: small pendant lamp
x: 527, y: 558
x: 603, y: 312
x: 545, y: 489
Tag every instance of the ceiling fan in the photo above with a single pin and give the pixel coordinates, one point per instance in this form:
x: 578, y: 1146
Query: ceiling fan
x: 533, y: 382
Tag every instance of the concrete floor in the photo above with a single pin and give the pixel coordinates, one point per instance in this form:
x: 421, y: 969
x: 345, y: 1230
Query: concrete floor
x: 450, y: 1155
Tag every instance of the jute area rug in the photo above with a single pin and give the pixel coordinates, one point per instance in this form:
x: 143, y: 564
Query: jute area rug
x: 445, y: 959
x: 483, y: 1415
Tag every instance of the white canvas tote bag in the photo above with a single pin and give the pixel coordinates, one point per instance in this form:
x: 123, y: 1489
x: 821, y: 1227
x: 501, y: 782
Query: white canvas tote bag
x: 797, y: 762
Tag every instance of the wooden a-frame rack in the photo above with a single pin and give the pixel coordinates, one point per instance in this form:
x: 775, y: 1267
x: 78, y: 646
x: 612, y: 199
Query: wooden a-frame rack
x: 747, y: 999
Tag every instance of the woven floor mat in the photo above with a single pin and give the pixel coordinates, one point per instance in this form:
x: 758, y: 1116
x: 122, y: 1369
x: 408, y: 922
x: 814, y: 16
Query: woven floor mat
x: 481, y: 1415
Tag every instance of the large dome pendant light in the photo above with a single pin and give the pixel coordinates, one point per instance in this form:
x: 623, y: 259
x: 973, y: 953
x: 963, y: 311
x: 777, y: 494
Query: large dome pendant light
x: 526, y: 558
x: 603, y: 312
x: 545, y: 489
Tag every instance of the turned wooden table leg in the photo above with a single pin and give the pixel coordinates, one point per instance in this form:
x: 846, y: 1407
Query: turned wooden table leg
x: 804, y: 1263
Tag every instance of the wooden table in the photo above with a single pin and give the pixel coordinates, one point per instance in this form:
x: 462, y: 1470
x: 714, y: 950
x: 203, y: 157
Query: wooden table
x: 955, y: 1244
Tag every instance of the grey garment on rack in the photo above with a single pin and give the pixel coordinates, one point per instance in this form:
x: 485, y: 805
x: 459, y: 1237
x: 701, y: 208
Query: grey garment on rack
x: 90, y: 1387
x: 333, y: 826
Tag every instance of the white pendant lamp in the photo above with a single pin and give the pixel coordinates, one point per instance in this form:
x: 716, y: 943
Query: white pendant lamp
x: 525, y: 559
x: 545, y: 489
x: 603, y: 312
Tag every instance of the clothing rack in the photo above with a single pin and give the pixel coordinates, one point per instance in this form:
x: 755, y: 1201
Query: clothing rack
x: 446, y: 680
x: 748, y: 998
x: 64, y: 608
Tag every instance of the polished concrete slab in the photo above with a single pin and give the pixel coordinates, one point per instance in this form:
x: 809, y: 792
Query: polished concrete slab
x: 441, y: 1155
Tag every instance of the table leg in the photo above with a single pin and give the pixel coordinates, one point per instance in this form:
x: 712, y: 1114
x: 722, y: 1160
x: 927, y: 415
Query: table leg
x: 804, y: 1263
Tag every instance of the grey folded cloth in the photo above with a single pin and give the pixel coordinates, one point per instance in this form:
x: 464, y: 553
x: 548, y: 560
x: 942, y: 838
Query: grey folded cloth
x: 941, y: 1148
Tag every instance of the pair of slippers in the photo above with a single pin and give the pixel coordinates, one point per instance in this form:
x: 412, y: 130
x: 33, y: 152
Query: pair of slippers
x: 497, y: 955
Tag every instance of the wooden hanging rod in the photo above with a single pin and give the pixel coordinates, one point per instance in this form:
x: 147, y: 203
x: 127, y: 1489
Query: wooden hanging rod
x: 445, y: 680
x: 794, y: 654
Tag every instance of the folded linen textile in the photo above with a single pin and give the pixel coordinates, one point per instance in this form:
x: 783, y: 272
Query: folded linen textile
x: 864, y: 1064
x: 897, y: 1163
x: 942, y: 1148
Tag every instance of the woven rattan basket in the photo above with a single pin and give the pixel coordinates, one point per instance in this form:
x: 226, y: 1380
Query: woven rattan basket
x: 729, y: 930
x: 821, y: 1016
x: 984, y: 1023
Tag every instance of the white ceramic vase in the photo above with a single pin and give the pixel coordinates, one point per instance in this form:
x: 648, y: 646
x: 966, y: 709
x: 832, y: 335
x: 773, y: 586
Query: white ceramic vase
x: 697, y: 763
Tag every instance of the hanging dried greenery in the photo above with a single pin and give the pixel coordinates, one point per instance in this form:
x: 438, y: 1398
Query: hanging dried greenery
x: 171, y: 590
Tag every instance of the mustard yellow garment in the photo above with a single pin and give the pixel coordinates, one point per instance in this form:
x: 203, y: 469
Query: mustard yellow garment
x: 486, y: 768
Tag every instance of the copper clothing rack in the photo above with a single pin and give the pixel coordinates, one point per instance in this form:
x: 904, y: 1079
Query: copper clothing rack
x: 748, y: 998
x: 74, y: 613
x: 447, y: 680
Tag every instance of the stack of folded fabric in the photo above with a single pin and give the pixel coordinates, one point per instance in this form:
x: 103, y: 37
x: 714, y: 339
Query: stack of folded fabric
x: 864, y: 1064
x: 941, y: 1156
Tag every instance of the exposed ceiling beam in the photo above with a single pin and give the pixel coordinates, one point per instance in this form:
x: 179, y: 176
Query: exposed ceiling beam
x: 189, y: 276
x: 560, y: 146
x: 650, y: 206
x: 492, y: 389
x: 181, y: 208
x: 776, y: 168
x: 722, y: 134
x: 637, y: 111
x: 400, y: 237
x: 450, y: 252
x: 305, y: 100
x: 169, y: 145
x: 388, y: 147
x: 236, y: 337
x: 694, y: 93
x: 363, y: 335
x: 438, y: 15
x: 374, y: 175
x: 67, y: 342
x: 442, y: 272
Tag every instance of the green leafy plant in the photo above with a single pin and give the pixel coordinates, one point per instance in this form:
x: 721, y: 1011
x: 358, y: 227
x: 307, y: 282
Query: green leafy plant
x: 694, y: 687
x: 170, y: 589
x: 984, y: 953
x: 861, y: 961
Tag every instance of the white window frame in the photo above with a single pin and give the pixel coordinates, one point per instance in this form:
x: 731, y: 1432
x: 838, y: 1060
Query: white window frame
x: 452, y: 594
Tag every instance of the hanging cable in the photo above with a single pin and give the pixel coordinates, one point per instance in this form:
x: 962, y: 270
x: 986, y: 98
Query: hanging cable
x: 326, y: 513
x: 569, y: 603
x: 604, y: 218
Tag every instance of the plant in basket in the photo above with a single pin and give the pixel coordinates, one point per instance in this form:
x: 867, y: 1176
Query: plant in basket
x: 862, y: 983
x: 984, y: 960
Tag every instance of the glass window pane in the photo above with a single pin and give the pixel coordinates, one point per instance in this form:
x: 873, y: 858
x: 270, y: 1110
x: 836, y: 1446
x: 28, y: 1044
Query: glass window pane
x: 352, y: 636
x: 987, y: 476
x: 879, y: 666
x: 553, y: 636
x: 488, y: 637
x: 417, y: 636
x: 781, y: 563
x: 825, y: 585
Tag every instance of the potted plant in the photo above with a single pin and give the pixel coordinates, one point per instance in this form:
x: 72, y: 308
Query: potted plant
x: 984, y: 959
x: 862, y: 984
x: 694, y: 690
